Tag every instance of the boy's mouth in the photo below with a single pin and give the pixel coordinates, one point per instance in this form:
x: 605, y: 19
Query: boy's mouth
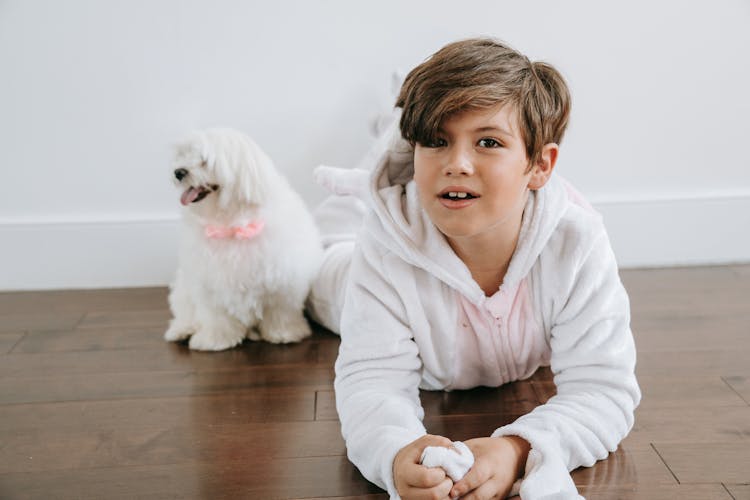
x: 457, y: 195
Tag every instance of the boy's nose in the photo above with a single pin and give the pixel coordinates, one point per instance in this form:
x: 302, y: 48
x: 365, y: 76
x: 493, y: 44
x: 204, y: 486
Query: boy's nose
x: 458, y: 163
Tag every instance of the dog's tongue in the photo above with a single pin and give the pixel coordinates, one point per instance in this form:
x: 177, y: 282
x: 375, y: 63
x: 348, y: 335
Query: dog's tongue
x: 189, y: 195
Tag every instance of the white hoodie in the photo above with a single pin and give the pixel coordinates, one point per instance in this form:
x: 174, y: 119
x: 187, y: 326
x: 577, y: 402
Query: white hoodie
x: 413, y: 318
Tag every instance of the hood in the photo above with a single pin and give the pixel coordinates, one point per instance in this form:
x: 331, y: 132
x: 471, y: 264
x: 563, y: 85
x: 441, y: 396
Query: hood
x: 405, y: 229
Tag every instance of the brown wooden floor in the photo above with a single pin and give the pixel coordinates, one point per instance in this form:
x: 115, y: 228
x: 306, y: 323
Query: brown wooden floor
x: 93, y: 404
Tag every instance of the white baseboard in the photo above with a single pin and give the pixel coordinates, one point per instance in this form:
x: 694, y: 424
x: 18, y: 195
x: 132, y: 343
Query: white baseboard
x: 45, y: 255
x: 687, y: 231
x: 69, y: 254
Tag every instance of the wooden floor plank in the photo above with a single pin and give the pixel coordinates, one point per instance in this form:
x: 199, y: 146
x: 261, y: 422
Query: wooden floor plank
x: 742, y: 271
x: 687, y: 392
x: 707, y: 462
x: 371, y: 496
x: 270, y: 479
x: 739, y: 491
x: 625, y: 467
x: 39, y: 320
x: 8, y: 341
x: 82, y: 301
x: 130, y: 318
x: 442, y: 421
x: 236, y: 407
x: 99, y: 339
x: 328, y: 348
x: 657, y: 492
x: 690, y: 286
x: 697, y: 424
x: 740, y: 384
x: 463, y: 427
x: 325, y: 406
x: 685, y: 363
x: 108, y: 446
x: 511, y: 398
x: 86, y: 387
x: 688, y: 331
x: 156, y: 357
x: 544, y: 390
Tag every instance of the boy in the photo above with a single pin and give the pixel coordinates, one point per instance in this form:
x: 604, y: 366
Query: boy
x: 475, y: 265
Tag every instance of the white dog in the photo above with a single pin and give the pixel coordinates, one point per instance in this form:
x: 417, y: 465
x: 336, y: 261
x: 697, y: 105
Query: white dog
x: 250, y: 248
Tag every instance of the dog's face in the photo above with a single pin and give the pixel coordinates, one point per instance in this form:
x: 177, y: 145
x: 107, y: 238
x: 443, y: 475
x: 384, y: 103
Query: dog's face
x: 220, y: 171
x: 191, y: 173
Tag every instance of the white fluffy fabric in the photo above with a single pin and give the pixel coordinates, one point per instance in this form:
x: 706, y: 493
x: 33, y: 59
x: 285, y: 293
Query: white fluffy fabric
x: 455, y: 461
x: 227, y: 289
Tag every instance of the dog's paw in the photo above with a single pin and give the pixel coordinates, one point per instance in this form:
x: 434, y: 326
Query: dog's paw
x: 292, y: 330
x: 254, y: 334
x: 177, y: 332
x: 202, y: 341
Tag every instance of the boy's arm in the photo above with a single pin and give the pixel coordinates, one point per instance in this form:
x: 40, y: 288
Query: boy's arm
x: 378, y: 370
x: 593, y: 361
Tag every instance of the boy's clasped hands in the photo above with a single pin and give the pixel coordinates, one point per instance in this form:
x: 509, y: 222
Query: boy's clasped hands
x: 498, y: 462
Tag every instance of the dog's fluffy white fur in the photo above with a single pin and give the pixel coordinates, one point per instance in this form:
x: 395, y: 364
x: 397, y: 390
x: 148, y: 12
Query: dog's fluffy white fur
x: 228, y: 289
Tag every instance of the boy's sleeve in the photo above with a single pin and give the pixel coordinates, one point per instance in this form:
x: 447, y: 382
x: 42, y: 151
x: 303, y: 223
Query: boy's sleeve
x: 378, y: 370
x: 593, y: 361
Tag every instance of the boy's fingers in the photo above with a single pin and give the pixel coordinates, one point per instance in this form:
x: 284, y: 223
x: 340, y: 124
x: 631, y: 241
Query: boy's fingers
x: 477, y: 475
x: 486, y: 491
x: 420, y: 476
x: 432, y: 440
x: 417, y: 447
x: 443, y: 490
x: 415, y: 476
x: 439, y: 491
x: 412, y: 453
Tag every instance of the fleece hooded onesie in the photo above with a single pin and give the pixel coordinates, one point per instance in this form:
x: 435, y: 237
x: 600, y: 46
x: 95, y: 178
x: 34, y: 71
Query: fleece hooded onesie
x: 411, y: 316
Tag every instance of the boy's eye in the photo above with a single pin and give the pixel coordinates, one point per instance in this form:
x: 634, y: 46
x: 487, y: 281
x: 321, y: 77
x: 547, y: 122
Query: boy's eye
x: 437, y: 143
x: 488, y: 143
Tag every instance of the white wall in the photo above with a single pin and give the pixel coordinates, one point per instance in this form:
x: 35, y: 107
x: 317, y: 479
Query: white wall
x: 92, y: 93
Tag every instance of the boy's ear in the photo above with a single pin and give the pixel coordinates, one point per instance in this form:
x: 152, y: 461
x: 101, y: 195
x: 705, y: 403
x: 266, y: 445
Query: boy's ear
x: 542, y: 169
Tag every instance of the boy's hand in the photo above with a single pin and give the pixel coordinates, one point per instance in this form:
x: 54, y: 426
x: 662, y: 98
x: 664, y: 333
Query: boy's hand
x: 498, y: 462
x: 415, y: 481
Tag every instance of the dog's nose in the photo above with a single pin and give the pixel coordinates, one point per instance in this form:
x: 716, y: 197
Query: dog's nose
x: 180, y: 173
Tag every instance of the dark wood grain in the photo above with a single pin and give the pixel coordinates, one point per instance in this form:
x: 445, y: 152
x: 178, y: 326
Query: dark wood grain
x: 83, y: 301
x: 9, y: 340
x: 626, y: 467
x: 740, y: 384
x: 40, y: 320
x: 325, y: 405
x: 94, y: 404
x: 93, y: 387
x: 724, y: 461
x: 677, y: 392
x: 739, y: 491
x: 657, y: 492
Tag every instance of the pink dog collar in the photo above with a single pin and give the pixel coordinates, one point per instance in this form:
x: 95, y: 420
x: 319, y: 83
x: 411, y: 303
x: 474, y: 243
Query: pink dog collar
x: 246, y: 232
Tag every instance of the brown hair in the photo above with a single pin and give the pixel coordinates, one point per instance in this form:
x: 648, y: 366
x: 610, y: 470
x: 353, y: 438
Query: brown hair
x: 480, y: 73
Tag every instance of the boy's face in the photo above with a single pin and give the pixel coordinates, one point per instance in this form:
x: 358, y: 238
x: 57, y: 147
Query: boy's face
x: 473, y: 182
